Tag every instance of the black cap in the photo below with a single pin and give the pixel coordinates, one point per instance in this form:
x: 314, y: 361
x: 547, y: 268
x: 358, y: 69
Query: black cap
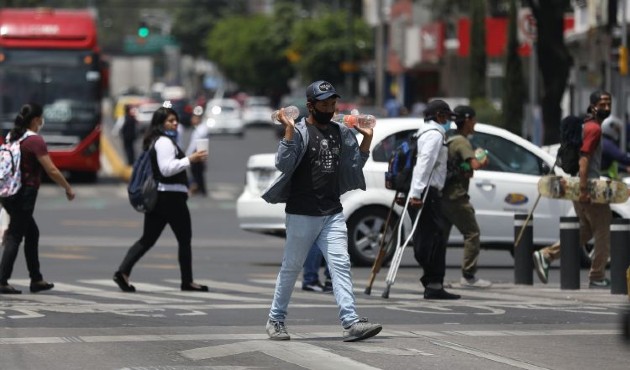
x: 464, y: 112
x: 438, y: 106
x: 596, y: 96
x: 320, y: 90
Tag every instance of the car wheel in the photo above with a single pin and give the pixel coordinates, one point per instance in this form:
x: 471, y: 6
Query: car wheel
x: 365, y: 232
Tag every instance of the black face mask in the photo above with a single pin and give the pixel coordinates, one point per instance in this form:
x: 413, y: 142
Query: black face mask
x: 322, y: 117
x: 602, y: 114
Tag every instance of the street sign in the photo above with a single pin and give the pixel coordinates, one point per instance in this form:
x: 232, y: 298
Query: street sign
x: 152, y: 44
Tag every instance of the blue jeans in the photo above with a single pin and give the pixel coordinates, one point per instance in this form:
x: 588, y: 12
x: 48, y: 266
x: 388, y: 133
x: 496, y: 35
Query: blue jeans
x: 311, y: 266
x: 330, y: 235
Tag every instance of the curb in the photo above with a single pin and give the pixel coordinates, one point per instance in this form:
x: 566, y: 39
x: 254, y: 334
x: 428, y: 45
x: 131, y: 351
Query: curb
x: 119, y: 168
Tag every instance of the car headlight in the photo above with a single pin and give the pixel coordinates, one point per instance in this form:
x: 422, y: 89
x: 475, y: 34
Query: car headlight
x: 210, y: 122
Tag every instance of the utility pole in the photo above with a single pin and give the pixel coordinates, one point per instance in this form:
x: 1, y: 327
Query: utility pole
x: 622, y: 100
x: 379, y: 78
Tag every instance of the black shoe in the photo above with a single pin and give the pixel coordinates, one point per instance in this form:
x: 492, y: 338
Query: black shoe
x: 194, y: 288
x: 8, y: 289
x: 430, y: 293
x: 119, y: 279
x: 313, y: 287
x: 41, y: 286
x: 328, y: 287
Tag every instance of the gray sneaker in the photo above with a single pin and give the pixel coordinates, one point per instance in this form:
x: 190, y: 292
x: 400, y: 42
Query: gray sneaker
x: 475, y: 283
x: 541, y: 266
x: 360, y: 330
x: 276, y: 330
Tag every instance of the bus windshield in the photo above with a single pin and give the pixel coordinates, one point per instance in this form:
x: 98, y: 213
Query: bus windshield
x: 65, y: 82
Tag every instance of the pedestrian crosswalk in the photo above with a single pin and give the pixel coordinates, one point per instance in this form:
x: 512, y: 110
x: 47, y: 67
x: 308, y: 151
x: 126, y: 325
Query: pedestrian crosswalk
x: 164, y: 298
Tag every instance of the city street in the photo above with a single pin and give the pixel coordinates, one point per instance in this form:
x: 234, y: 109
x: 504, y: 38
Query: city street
x: 86, y: 322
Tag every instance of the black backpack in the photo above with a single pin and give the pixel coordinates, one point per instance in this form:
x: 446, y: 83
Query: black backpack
x: 142, y: 188
x: 568, y: 157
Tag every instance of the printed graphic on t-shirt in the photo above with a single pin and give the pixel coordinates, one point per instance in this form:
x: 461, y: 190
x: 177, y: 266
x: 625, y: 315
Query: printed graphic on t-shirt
x: 328, y: 156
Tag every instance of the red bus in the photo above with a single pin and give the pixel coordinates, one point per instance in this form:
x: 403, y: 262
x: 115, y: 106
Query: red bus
x: 51, y: 57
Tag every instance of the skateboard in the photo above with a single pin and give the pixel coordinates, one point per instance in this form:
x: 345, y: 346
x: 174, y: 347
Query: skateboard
x: 600, y: 191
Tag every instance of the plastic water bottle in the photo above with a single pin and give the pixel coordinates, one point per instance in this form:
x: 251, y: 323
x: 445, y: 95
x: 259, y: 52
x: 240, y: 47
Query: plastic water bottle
x: 481, y: 154
x: 292, y: 112
x: 355, y: 120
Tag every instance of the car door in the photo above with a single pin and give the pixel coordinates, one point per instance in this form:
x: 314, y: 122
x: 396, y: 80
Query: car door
x: 509, y: 185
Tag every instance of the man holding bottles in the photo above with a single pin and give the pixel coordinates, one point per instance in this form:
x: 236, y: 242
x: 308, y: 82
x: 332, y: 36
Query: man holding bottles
x: 319, y: 160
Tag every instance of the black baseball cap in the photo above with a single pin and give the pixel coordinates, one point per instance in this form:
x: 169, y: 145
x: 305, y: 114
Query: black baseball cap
x: 438, y: 106
x: 320, y: 90
x: 464, y: 112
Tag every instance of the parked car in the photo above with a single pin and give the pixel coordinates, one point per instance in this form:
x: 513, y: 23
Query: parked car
x: 144, y: 114
x: 508, y: 185
x: 223, y: 116
x: 257, y: 110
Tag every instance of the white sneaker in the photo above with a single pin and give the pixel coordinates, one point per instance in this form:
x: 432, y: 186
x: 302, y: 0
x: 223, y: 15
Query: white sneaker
x: 276, y: 330
x: 474, y: 283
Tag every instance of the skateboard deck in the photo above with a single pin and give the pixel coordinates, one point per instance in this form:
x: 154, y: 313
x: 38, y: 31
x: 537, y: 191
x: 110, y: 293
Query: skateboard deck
x: 600, y: 191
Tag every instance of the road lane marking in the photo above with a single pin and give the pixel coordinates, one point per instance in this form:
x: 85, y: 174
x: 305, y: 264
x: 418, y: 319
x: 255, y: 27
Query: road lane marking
x: 301, y: 354
x: 488, y: 355
x: 433, y: 336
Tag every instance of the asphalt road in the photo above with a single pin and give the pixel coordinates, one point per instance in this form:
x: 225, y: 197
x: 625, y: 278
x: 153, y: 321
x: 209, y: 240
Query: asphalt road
x: 87, y: 323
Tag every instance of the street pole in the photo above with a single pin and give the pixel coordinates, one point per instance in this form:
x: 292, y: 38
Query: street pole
x: 623, y: 100
x: 379, y: 80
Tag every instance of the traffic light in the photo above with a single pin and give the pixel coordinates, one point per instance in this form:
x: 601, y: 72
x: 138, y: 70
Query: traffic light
x: 623, y: 60
x: 143, y: 30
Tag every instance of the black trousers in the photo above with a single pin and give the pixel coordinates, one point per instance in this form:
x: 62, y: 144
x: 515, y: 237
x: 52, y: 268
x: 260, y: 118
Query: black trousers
x: 22, y: 226
x: 130, y: 151
x: 198, y: 170
x: 171, y: 209
x: 428, y: 241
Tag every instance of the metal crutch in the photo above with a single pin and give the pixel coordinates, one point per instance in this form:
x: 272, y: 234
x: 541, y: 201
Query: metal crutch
x: 400, y: 248
x: 383, y: 248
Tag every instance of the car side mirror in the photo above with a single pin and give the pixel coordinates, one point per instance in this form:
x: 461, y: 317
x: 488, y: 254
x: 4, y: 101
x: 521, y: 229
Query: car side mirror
x: 546, y: 170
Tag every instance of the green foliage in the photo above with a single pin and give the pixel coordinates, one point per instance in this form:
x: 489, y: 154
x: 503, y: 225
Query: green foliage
x: 486, y: 112
x: 326, y: 41
x: 514, y: 85
x: 477, y: 49
x: 251, y: 56
x: 194, y: 19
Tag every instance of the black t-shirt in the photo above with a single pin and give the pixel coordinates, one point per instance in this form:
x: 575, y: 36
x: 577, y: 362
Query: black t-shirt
x: 315, y: 185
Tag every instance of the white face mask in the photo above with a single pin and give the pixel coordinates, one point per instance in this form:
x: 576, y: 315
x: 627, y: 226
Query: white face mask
x: 42, y: 125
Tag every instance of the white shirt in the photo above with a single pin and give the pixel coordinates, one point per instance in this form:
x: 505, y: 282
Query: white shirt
x: 200, y: 132
x: 169, y: 165
x: 432, y: 153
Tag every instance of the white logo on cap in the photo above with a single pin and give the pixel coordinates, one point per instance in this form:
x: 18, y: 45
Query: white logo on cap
x: 324, y: 86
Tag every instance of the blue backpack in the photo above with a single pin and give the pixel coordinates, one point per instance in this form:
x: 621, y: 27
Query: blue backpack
x: 142, y: 189
x: 400, y: 167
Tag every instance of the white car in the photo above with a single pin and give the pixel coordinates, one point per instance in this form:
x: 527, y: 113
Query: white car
x: 144, y: 114
x: 257, y: 110
x: 224, y: 116
x: 508, y: 185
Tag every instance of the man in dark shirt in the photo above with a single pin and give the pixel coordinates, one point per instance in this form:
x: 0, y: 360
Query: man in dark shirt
x: 319, y: 160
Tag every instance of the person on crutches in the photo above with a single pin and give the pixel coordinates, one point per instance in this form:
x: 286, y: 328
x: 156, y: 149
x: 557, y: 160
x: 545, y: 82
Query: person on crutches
x: 430, y: 173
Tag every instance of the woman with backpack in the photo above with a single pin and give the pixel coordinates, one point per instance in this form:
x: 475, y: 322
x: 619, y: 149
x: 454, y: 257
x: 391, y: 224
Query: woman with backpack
x: 20, y: 206
x: 169, y: 165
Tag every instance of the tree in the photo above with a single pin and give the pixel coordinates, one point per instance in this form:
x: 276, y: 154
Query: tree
x: 477, y: 50
x: 252, y: 56
x: 514, y: 86
x: 554, y: 62
x: 322, y: 45
x: 195, y: 19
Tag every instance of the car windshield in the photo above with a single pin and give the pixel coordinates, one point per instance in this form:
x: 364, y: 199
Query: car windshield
x: 65, y: 83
